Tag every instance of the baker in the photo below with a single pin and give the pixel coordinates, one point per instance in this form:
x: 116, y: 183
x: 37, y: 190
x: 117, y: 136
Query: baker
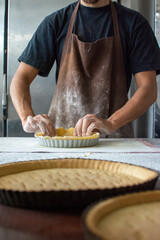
x: 97, y: 45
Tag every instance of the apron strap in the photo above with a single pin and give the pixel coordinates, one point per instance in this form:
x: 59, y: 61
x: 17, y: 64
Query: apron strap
x: 115, y: 20
x: 72, y: 21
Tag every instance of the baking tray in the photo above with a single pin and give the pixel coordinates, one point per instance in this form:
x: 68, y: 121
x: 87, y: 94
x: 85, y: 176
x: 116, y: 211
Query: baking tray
x: 72, y: 197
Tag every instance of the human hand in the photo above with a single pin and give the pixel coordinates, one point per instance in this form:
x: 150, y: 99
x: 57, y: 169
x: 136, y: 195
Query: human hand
x: 91, y: 123
x: 40, y: 123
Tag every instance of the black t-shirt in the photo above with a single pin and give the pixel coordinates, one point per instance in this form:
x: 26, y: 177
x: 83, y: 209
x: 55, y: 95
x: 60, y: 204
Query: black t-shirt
x: 140, y: 48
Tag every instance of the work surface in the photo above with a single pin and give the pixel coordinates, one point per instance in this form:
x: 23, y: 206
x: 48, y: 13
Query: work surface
x: 144, y: 152
x: 21, y: 224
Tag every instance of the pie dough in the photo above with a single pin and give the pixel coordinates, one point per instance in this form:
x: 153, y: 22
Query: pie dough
x: 65, y: 139
x: 67, y: 134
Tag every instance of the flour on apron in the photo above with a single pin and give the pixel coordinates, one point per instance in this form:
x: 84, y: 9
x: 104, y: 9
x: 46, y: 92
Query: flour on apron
x: 91, y: 79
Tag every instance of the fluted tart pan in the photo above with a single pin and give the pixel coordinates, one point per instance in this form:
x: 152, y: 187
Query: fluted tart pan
x: 131, y: 216
x: 65, y: 139
x: 57, y: 183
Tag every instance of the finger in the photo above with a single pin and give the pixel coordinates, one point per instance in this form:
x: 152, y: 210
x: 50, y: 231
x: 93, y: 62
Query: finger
x: 28, y: 126
x: 90, y: 116
x: 86, y: 122
x: 46, y: 125
x: 75, y: 131
x: 43, y: 128
x: 93, y: 126
x: 52, y: 131
x: 78, y: 128
x: 33, y: 123
x: 51, y: 128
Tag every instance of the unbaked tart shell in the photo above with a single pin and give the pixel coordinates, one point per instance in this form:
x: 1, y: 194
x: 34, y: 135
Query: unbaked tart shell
x: 65, y: 139
x: 57, y: 183
x: 132, y: 216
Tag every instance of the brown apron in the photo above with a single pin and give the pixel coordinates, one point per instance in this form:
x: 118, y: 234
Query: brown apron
x: 91, y: 79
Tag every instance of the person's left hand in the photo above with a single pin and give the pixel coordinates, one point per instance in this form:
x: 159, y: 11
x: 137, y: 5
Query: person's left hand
x: 91, y: 123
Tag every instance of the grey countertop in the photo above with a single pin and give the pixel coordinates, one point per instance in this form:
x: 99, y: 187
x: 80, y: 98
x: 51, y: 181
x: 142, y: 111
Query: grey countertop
x: 143, y: 152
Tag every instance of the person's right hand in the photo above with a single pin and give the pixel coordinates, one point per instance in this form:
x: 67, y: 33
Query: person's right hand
x: 40, y: 123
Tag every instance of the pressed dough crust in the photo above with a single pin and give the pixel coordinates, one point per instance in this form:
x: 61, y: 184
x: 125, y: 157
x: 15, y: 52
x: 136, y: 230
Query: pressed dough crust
x: 67, y: 134
x: 137, y: 222
x: 66, y: 179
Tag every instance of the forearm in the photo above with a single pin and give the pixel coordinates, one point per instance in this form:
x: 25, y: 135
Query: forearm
x: 20, y: 94
x: 143, y: 98
x: 19, y: 91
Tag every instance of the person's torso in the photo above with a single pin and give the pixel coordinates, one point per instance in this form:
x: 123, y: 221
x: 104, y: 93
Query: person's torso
x: 93, y: 24
x: 91, y: 76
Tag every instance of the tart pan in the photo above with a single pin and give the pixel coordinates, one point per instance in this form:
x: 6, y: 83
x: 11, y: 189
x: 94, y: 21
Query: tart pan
x: 65, y: 139
x: 69, y: 197
x: 107, y: 219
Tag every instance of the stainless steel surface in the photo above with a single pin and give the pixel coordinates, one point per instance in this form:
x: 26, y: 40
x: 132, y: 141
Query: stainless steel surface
x: 1, y: 57
x: 4, y: 95
x: 4, y: 106
x: 157, y: 105
x: 24, y: 18
x: 146, y: 8
x: 145, y: 125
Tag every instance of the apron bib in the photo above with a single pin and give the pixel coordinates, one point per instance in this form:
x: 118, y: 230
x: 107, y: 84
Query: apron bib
x: 91, y: 79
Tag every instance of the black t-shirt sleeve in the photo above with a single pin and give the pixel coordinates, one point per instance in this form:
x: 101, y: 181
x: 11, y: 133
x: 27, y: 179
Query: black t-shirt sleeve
x: 40, y: 51
x: 145, y: 52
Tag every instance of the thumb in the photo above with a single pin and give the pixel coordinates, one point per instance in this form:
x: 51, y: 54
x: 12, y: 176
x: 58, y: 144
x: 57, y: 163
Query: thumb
x: 30, y: 125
